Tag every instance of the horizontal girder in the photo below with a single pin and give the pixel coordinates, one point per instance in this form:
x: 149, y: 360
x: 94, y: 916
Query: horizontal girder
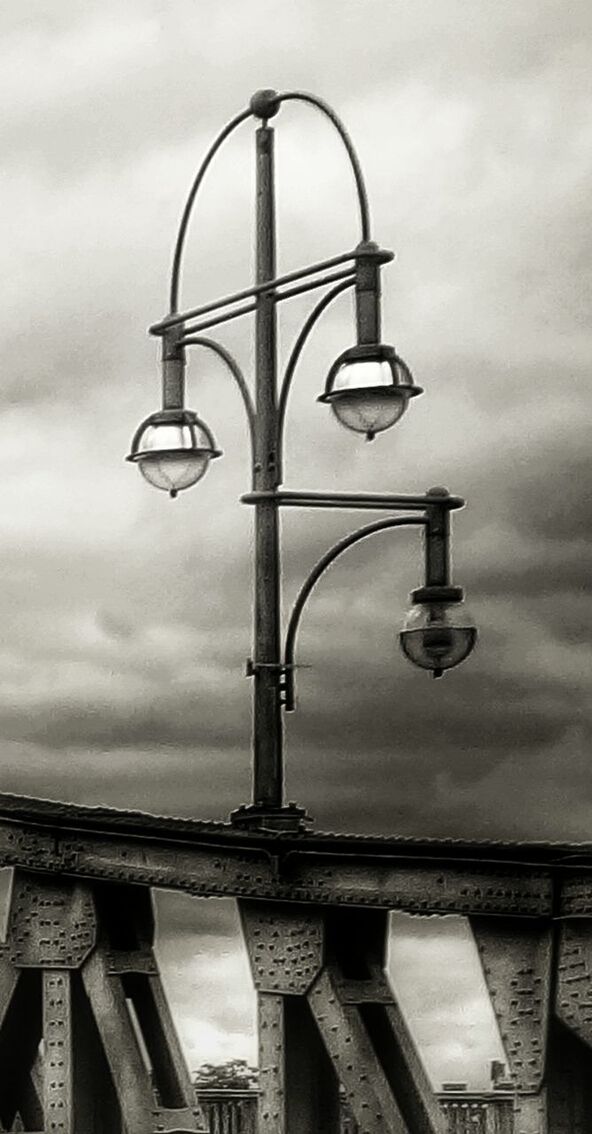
x: 215, y: 859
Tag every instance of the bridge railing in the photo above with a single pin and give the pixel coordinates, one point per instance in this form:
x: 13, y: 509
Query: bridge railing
x: 235, y: 1112
x: 228, y: 1111
x: 478, y: 1114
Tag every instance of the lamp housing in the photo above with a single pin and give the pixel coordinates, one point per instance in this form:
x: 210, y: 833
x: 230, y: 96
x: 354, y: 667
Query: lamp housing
x: 173, y: 449
x: 438, y: 632
x: 368, y: 388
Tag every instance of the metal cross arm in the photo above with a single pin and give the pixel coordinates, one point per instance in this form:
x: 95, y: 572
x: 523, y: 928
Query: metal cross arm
x: 361, y: 254
x: 362, y: 500
x: 264, y: 105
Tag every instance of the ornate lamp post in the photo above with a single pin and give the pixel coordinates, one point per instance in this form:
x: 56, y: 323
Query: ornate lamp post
x: 368, y: 388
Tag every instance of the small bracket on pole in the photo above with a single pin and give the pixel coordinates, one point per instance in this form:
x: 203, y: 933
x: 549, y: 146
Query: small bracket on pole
x: 253, y: 667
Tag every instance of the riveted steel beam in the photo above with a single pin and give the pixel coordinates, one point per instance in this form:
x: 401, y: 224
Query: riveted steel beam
x: 58, y: 1100
x: 421, y: 875
x: 516, y: 957
x: 327, y: 1017
x: 285, y: 947
x: 78, y: 972
x: 433, y: 879
x: 574, y: 979
x: 52, y: 923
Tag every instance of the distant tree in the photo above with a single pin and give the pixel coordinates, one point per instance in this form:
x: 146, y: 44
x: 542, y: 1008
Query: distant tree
x: 235, y: 1075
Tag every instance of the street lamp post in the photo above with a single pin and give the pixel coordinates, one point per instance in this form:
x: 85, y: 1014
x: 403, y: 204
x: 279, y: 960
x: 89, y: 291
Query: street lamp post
x: 267, y: 722
x: 368, y: 388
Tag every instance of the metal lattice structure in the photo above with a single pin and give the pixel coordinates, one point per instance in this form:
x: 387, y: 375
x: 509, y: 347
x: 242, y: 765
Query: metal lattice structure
x: 86, y: 1039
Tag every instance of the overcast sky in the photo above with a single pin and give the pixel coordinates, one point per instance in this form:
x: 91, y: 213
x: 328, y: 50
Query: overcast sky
x: 125, y: 616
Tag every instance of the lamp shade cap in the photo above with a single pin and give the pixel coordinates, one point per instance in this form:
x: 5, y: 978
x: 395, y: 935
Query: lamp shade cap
x: 173, y: 449
x: 368, y: 388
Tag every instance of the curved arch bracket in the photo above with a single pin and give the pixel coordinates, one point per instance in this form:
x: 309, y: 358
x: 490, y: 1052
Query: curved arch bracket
x: 237, y: 374
x: 318, y: 570
x: 298, y: 347
x: 320, y: 104
x: 186, y: 217
x: 249, y: 112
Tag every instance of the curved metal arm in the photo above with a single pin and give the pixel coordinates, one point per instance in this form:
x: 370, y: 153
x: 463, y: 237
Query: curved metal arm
x: 299, y: 96
x: 237, y: 374
x: 315, y: 314
x: 178, y: 253
x: 315, y: 574
x: 303, y: 96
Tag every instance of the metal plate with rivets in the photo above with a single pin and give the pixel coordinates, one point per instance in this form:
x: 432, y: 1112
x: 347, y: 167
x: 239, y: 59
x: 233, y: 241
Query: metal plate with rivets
x: 574, y: 978
x: 422, y: 876
x: 285, y: 946
x: 516, y: 960
x: 576, y: 895
x: 272, y: 1085
x: 57, y: 1035
x: 182, y: 1121
x: 51, y: 924
x: 359, y: 1070
x: 136, y: 961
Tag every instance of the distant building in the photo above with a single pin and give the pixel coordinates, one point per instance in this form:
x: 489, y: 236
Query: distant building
x: 482, y: 1112
x: 469, y: 1112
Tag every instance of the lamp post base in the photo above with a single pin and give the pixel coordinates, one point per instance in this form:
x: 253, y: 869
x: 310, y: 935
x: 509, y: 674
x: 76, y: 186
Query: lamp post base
x: 258, y: 816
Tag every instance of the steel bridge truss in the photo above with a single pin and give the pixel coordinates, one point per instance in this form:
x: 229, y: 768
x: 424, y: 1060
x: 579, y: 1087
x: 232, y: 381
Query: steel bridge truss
x: 87, y: 1043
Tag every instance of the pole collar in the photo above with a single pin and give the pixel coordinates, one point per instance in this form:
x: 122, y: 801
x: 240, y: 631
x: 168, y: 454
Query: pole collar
x: 437, y: 594
x: 370, y: 250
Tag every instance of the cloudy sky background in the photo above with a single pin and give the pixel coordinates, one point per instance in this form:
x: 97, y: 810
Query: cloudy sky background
x: 126, y: 617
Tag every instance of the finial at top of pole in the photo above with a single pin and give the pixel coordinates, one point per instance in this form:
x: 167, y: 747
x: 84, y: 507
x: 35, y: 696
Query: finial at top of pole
x: 265, y: 104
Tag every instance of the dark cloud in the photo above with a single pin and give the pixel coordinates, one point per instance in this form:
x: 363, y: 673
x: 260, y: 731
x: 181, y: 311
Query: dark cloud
x: 98, y: 94
x: 555, y: 502
x: 180, y: 722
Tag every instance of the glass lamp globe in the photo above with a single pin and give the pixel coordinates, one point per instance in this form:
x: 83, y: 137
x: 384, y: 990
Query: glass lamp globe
x: 438, y: 635
x: 173, y: 449
x: 368, y: 388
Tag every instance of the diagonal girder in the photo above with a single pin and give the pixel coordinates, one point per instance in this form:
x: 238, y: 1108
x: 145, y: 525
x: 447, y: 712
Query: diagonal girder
x: 574, y: 978
x: 366, y: 1086
x: 320, y: 976
x: 516, y: 959
x: 58, y: 1100
x: 78, y: 973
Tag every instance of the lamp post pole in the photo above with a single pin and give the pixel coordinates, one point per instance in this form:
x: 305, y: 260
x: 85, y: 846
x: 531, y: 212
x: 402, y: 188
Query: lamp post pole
x: 368, y: 388
x: 267, y: 720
